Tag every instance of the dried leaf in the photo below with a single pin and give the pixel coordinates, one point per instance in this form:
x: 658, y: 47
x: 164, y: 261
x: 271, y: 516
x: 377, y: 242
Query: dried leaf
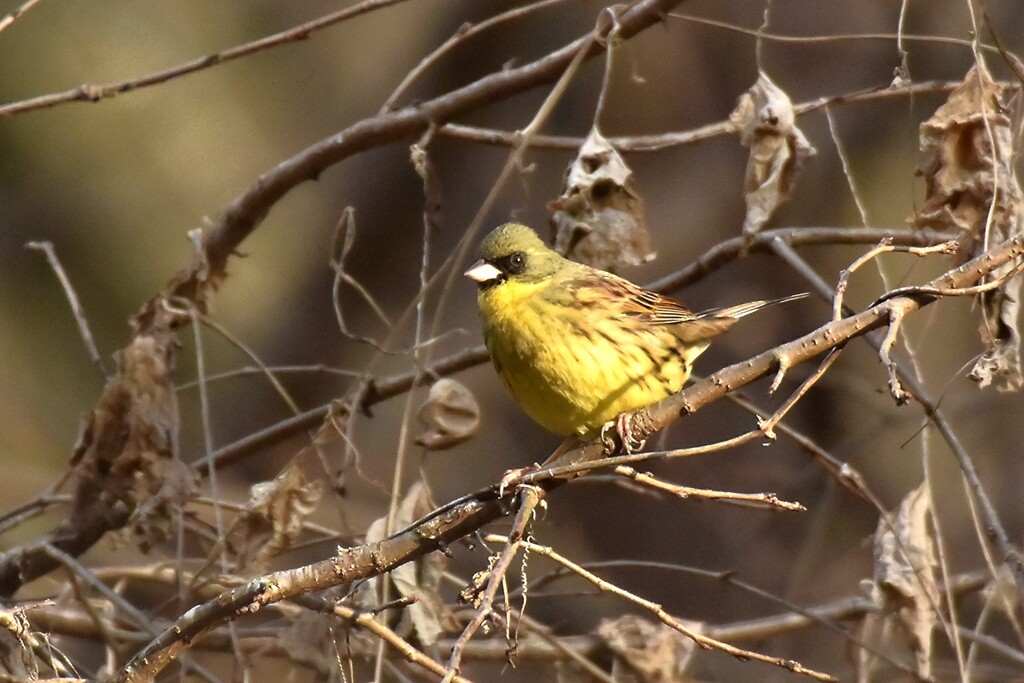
x: 653, y: 650
x: 778, y: 150
x: 599, y: 219
x: 904, y: 578
x: 127, y: 444
x: 450, y: 415
x: 419, y: 580
x: 970, y: 144
x: 276, y: 512
x: 999, y: 364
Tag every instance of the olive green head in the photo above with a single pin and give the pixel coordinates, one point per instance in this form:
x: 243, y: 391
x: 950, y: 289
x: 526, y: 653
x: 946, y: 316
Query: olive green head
x: 514, y: 253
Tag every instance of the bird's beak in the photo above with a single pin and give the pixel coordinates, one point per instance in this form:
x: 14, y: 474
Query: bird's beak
x: 482, y: 272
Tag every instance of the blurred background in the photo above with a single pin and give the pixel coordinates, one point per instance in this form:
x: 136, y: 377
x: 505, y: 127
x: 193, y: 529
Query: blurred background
x: 116, y: 186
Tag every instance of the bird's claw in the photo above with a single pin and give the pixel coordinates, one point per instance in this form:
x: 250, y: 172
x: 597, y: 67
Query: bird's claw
x: 511, y: 477
x: 626, y: 433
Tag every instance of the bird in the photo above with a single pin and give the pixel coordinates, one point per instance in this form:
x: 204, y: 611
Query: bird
x: 581, y: 349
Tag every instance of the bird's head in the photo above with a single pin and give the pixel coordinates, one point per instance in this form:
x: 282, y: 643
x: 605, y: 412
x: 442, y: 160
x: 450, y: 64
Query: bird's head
x: 513, y: 253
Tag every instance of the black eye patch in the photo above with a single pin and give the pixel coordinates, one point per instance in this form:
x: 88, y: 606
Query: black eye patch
x: 513, y: 264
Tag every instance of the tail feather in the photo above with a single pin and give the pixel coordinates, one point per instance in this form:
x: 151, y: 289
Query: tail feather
x: 709, y: 324
x: 737, y: 312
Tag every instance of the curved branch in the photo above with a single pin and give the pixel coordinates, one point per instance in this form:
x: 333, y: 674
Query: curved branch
x: 470, y: 513
x: 249, y: 209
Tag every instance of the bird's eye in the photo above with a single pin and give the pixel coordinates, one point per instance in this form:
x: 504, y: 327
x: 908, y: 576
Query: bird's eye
x: 517, y: 262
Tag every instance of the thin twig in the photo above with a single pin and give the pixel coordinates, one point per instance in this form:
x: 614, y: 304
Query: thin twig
x: 861, y: 207
x: 701, y: 639
x: 96, y: 93
x: 993, y: 527
x: 18, y: 11
x: 829, y: 38
x: 766, y: 499
x: 140, y: 618
x: 368, y: 621
x: 72, y: 296
x: 653, y: 143
x: 463, y: 33
x: 529, y: 497
x: 885, y: 246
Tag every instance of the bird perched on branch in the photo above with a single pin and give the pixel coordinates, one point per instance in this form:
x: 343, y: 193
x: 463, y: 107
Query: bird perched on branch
x: 580, y: 348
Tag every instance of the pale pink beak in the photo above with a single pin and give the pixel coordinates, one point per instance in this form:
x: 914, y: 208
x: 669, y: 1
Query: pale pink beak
x: 482, y: 272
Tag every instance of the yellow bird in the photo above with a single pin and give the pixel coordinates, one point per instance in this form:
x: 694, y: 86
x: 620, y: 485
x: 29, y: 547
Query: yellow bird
x: 579, y: 347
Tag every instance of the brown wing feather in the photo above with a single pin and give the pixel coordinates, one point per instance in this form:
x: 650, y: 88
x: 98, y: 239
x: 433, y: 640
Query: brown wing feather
x: 621, y: 298
x: 617, y: 297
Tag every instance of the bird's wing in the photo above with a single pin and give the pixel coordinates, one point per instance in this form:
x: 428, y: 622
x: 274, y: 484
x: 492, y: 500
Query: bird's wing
x: 611, y: 296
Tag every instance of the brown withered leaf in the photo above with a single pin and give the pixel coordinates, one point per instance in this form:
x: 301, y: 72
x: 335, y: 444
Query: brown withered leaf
x: 653, y: 650
x: 449, y: 416
x: 904, y: 586
x: 419, y: 580
x: 1000, y: 365
x: 127, y: 443
x: 275, y: 513
x: 971, y: 188
x: 599, y: 219
x: 778, y: 150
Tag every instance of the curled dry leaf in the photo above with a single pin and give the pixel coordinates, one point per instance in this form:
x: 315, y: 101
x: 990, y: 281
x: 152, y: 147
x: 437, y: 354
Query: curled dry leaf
x: 653, y: 650
x: 419, y: 580
x: 450, y: 415
x: 778, y: 150
x: 276, y: 512
x: 128, y: 441
x: 599, y: 219
x: 971, y: 188
x: 904, y: 585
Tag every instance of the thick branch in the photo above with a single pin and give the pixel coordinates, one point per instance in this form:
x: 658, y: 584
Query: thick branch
x: 470, y: 513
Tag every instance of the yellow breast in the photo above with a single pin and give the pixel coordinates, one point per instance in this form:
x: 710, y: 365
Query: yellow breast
x: 572, y: 369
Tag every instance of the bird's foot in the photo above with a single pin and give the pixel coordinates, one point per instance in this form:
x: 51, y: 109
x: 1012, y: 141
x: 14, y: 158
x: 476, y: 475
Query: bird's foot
x: 511, y: 478
x: 631, y: 430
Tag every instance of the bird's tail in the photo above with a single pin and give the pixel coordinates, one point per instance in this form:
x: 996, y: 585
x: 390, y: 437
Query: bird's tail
x: 709, y: 324
x: 737, y: 312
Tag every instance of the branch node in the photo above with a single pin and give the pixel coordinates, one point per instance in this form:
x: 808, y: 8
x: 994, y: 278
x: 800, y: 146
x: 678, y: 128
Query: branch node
x: 783, y: 361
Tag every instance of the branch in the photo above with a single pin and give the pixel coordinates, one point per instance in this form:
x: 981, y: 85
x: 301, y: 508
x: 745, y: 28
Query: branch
x: 96, y: 93
x: 249, y: 209
x: 108, y: 504
x: 469, y: 513
x: 713, y: 259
